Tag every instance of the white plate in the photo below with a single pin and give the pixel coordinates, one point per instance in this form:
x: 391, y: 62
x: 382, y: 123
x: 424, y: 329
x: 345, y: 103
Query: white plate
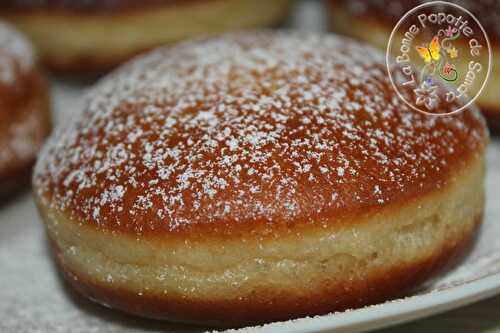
x: 34, y: 299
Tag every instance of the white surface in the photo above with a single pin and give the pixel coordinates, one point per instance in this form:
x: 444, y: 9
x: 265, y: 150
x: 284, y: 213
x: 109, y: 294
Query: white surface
x: 34, y: 299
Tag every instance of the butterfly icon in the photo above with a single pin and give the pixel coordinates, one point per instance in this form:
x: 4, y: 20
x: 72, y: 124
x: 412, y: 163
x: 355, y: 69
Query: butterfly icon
x: 430, y: 53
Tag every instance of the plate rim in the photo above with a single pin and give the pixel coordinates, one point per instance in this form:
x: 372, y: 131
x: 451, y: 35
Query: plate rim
x: 390, y: 313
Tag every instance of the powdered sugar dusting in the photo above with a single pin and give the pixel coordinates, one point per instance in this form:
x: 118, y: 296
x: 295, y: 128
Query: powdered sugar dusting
x: 267, y: 126
x: 21, y: 140
x: 22, y: 112
x: 16, y: 54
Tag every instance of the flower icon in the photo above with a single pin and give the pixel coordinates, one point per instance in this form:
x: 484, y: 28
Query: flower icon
x: 453, y: 52
x: 426, y: 95
x: 449, y: 31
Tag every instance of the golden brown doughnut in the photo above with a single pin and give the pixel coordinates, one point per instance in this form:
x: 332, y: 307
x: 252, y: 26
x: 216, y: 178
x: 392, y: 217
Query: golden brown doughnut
x: 24, y: 110
x: 96, y: 35
x: 256, y: 177
x: 373, y: 20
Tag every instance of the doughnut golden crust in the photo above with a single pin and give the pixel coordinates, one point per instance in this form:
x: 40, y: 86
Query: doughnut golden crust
x: 24, y: 110
x: 373, y: 20
x: 257, y: 177
x: 104, y: 34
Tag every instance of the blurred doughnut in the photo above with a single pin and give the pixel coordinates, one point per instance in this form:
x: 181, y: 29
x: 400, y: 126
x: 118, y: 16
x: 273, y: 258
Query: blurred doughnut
x: 93, y: 35
x: 24, y: 110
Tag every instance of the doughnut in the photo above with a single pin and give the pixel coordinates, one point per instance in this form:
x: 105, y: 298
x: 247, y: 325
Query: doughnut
x: 373, y: 20
x: 254, y: 177
x: 24, y: 110
x: 94, y: 35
